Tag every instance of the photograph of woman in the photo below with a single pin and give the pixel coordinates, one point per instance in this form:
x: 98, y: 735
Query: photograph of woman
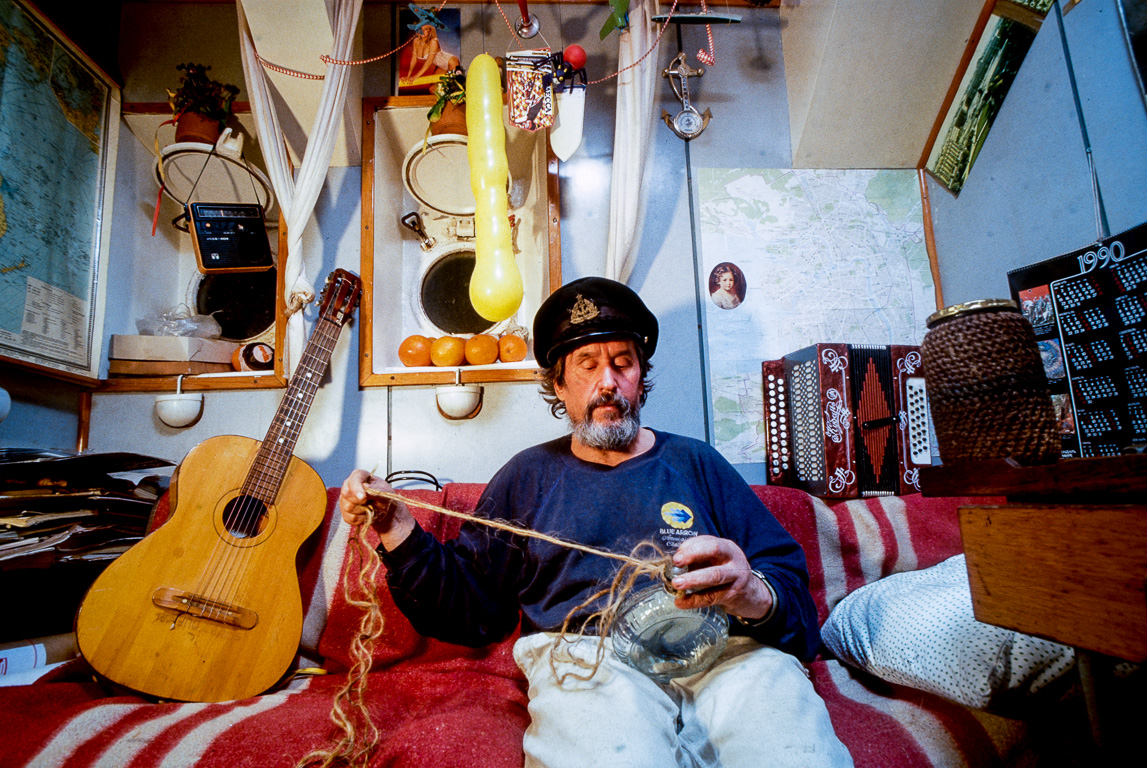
x: 427, y: 56
x: 727, y: 285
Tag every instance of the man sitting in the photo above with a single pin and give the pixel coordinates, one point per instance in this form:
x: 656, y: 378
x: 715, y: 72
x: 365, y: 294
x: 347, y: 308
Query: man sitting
x: 612, y: 484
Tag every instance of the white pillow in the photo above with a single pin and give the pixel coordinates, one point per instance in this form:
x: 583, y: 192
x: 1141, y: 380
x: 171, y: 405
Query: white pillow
x: 917, y: 629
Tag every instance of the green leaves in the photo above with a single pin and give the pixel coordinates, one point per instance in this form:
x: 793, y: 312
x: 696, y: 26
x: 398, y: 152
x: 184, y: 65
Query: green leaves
x: 199, y: 93
x: 451, y: 87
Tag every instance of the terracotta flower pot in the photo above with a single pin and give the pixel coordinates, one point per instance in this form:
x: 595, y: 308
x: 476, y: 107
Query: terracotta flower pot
x: 193, y: 126
x: 452, y: 120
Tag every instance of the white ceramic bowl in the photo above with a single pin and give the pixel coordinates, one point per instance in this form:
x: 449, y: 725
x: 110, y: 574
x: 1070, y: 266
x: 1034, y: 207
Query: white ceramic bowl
x: 458, y: 401
x: 179, y: 410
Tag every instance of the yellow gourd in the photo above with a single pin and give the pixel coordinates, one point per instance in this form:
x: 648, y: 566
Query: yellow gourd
x: 496, y: 285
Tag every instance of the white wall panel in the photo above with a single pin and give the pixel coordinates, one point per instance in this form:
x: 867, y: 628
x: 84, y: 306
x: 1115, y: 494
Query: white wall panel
x: 868, y: 79
x: 1029, y: 195
x: 1028, y: 198
x: 1114, y: 112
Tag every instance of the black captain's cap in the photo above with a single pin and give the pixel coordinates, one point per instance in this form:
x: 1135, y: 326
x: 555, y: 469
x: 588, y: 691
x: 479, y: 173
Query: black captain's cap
x: 591, y: 309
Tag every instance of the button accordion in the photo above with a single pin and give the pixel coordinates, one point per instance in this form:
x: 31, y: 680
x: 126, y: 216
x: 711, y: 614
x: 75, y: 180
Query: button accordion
x: 847, y: 420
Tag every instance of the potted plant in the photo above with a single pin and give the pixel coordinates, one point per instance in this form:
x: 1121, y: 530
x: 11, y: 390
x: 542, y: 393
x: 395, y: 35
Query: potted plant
x: 448, y: 115
x: 201, y: 105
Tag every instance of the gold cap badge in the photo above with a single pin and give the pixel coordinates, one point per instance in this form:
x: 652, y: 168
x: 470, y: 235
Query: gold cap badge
x: 582, y: 310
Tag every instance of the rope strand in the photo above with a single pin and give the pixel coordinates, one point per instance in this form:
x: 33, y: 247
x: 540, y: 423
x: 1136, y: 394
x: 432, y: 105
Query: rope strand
x: 350, y: 715
x: 635, y: 565
x: 503, y: 526
x: 359, y: 734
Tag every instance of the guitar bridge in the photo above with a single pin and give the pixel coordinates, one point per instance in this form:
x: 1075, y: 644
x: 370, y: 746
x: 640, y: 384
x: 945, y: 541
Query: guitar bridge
x: 204, y: 607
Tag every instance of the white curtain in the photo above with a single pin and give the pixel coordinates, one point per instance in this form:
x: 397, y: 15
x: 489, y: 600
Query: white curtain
x: 633, y: 130
x: 297, y: 195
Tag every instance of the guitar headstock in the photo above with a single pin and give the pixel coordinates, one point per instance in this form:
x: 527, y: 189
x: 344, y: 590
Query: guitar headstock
x: 340, y: 296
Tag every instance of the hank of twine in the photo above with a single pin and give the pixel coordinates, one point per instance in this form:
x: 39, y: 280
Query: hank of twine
x: 359, y: 735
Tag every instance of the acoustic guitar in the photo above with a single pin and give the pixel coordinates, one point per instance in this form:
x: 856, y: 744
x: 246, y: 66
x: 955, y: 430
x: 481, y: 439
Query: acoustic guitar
x: 207, y: 607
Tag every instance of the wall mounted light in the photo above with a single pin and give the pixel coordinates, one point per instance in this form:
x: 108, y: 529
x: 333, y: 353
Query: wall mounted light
x: 5, y: 403
x: 181, y: 409
x: 458, y: 401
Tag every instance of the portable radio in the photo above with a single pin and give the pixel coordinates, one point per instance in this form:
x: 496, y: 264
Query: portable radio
x: 229, y: 237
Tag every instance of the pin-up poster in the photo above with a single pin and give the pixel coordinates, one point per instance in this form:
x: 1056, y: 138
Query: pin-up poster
x: 431, y: 47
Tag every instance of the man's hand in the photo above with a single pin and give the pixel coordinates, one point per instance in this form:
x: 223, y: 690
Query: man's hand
x: 720, y: 574
x: 392, y: 519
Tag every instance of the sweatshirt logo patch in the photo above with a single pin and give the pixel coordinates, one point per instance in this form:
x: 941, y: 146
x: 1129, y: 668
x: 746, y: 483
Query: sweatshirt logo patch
x: 677, y: 515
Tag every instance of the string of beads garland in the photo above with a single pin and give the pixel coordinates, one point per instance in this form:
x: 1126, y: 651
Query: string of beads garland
x: 326, y: 59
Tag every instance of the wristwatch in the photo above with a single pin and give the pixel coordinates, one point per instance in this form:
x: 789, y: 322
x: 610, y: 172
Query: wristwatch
x: 772, y: 609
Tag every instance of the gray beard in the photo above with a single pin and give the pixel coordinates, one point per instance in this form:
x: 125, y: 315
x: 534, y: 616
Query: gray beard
x: 614, y: 436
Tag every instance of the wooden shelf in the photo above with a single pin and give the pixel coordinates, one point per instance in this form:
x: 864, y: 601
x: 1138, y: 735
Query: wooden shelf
x: 1072, y: 573
x: 206, y: 382
x: 427, y: 377
x: 192, y: 383
x: 1101, y: 479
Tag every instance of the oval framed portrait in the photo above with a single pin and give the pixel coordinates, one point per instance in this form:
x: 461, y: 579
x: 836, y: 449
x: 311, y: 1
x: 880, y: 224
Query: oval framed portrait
x: 727, y: 285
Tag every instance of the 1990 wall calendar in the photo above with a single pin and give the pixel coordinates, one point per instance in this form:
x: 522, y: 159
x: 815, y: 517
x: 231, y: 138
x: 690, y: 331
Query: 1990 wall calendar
x: 1089, y: 312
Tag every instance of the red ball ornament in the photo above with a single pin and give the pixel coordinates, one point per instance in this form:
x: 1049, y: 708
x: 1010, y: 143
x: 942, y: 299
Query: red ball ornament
x: 574, y: 55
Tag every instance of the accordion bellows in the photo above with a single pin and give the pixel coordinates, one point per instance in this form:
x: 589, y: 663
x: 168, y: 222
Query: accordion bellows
x: 844, y: 420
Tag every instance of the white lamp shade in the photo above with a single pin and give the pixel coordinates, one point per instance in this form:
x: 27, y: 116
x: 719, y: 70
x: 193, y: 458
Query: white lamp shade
x: 179, y: 410
x: 458, y: 401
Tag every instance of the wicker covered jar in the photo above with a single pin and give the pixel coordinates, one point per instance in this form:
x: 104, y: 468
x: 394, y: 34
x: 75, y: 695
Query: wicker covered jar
x: 987, y: 390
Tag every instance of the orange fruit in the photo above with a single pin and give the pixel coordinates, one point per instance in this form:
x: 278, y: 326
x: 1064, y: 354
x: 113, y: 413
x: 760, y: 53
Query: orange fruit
x: 448, y: 351
x: 511, y: 348
x: 481, y: 349
x: 415, y: 350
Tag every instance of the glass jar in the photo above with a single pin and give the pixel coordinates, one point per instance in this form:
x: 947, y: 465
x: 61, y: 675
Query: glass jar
x: 655, y: 637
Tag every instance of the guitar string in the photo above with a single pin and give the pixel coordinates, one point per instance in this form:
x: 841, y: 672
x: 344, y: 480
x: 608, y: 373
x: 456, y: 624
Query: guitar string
x: 221, y: 579
x: 260, y: 487
x: 258, y: 491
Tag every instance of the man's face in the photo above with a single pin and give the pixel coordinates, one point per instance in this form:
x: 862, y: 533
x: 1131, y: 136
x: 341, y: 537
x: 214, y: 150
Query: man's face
x: 601, y: 388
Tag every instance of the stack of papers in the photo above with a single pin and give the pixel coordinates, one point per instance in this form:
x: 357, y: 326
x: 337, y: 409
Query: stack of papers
x: 75, y: 508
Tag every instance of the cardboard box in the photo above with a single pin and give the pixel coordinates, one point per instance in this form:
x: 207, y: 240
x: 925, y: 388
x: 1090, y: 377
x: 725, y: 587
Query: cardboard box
x: 171, y: 348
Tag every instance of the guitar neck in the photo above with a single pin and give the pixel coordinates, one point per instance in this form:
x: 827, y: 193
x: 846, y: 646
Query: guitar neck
x: 274, y: 455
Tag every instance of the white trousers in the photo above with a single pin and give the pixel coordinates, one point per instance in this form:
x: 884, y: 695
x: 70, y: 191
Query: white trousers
x: 755, y: 707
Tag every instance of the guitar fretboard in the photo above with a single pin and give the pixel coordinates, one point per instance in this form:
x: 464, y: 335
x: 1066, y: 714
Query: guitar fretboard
x: 275, y: 453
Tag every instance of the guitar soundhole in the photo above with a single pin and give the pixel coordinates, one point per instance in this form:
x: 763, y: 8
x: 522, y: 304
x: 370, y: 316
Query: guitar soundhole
x: 244, y: 517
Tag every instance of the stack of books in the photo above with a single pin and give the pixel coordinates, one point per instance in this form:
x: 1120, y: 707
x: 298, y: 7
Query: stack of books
x: 169, y: 355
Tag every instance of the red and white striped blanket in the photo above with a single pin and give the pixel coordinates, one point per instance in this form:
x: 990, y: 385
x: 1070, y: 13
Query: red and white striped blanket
x: 443, y: 705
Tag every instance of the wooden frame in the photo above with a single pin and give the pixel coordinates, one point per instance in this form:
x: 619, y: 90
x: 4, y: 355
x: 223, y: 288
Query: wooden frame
x: 930, y: 237
x: 391, y: 376
x: 194, y: 383
x: 1005, y: 10
x: 150, y: 113
x: 450, y: 39
x: 58, y: 329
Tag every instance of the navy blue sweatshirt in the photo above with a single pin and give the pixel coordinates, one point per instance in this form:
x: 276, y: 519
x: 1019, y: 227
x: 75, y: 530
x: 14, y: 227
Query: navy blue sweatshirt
x: 473, y: 590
